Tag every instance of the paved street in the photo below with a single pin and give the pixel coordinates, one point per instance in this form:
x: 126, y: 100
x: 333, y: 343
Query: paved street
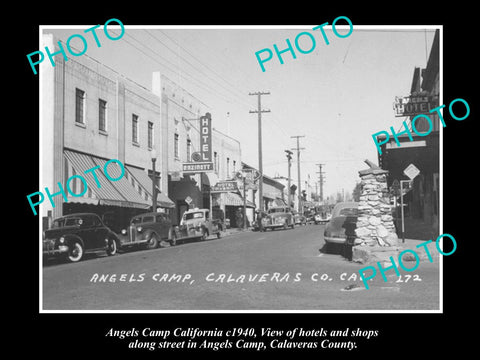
x: 219, y: 274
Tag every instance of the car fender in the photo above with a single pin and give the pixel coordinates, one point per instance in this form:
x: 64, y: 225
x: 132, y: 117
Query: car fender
x: 149, y: 233
x: 71, y: 238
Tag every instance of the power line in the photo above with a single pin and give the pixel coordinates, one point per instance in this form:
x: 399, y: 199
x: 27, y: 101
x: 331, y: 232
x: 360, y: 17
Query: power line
x: 175, y: 70
x: 195, y: 57
x: 195, y: 67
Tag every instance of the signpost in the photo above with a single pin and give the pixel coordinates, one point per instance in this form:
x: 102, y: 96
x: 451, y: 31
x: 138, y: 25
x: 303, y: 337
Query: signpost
x: 411, y: 171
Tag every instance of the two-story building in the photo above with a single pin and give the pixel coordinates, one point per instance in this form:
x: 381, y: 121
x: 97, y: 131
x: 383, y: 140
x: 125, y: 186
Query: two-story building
x: 90, y: 114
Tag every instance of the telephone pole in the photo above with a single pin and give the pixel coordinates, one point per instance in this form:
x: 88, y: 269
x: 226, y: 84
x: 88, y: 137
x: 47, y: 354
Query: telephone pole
x: 259, y: 111
x: 321, y: 180
x: 289, y: 159
x: 298, y: 148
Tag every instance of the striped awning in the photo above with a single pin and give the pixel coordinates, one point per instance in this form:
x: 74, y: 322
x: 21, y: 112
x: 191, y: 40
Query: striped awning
x: 141, y: 177
x: 105, y: 192
x: 233, y: 199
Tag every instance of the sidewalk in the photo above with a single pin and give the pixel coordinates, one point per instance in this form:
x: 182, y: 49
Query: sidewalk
x: 232, y: 231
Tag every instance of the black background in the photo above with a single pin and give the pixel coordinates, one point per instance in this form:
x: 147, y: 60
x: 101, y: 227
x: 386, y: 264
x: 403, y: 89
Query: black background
x: 65, y: 335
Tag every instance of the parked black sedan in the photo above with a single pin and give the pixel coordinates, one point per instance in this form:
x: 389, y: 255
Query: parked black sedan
x: 342, y: 223
x: 73, y: 235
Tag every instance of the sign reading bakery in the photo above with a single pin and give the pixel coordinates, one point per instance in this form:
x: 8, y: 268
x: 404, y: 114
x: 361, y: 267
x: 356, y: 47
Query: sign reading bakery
x: 206, y: 137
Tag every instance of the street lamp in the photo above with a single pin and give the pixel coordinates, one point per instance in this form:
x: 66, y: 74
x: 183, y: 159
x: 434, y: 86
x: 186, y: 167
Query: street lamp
x: 153, y: 156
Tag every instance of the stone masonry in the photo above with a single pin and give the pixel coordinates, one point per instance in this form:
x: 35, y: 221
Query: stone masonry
x: 375, y: 225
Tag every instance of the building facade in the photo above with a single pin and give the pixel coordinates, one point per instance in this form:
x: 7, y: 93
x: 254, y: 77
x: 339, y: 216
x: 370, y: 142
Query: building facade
x: 422, y: 201
x: 89, y: 115
x: 181, y: 138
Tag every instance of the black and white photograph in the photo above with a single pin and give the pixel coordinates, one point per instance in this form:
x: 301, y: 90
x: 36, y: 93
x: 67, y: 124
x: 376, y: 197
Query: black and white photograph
x: 283, y: 162
x: 220, y: 184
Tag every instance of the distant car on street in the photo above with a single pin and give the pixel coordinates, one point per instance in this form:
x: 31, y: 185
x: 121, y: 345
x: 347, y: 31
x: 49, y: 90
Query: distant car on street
x: 342, y: 223
x: 147, y: 230
x: 322, y: 218
x: 299, y: 219
x: 278, y: 217
x: 71, y: 236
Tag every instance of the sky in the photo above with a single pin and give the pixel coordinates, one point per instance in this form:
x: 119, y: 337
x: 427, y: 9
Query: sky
x: 336, y: 96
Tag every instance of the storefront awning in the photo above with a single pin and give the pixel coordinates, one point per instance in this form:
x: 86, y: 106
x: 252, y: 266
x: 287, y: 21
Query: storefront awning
x: 145, y: 182
x: 210, y: 178
x: 106, y: 192
x: 233, y: 199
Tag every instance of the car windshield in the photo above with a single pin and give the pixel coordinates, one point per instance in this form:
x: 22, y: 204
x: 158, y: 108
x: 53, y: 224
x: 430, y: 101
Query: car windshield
x: 276, y: 210
x: 348, y: 212
x: 59, y: 223
x: 193, y: 215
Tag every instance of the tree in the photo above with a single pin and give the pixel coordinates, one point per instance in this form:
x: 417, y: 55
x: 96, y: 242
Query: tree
x: 357, y: 191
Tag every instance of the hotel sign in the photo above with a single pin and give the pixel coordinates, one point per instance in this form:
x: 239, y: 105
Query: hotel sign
x: 411, y: 105
x: 202, y: 160
x: 197, y: 167
x: 206, y: 137
x: 224, y: 186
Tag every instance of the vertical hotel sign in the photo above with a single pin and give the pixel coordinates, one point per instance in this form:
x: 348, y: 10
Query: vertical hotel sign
x: 206, y: 137
x: 202, y: 160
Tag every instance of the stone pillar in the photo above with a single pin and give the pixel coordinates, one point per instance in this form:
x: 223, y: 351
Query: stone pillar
x: 375, y: 225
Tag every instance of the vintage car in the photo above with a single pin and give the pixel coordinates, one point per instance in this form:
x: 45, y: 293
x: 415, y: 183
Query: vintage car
x: 73, y: 235
x: 322, y: 218
x: 147, y: 230
x: 278, y: 217
x: 196, y: 223
x: 342, y: 224
x: 299, y: 219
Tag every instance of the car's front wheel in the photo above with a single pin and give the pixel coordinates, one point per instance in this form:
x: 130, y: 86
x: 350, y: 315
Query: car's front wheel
x: 204, y: 235
x: 111, y: 247
x: 153, y: 242
x: 75, y: 252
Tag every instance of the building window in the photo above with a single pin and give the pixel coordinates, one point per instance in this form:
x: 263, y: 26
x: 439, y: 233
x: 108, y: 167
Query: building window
x: 102, y: 115
x: 228, y: 168
x: 215, y: 162
x: 189, y: 150
x: 79, y: 106
x: 234, y: 166
x: 135, y: 128
x: 175, y: 146
x: 150, y: 135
